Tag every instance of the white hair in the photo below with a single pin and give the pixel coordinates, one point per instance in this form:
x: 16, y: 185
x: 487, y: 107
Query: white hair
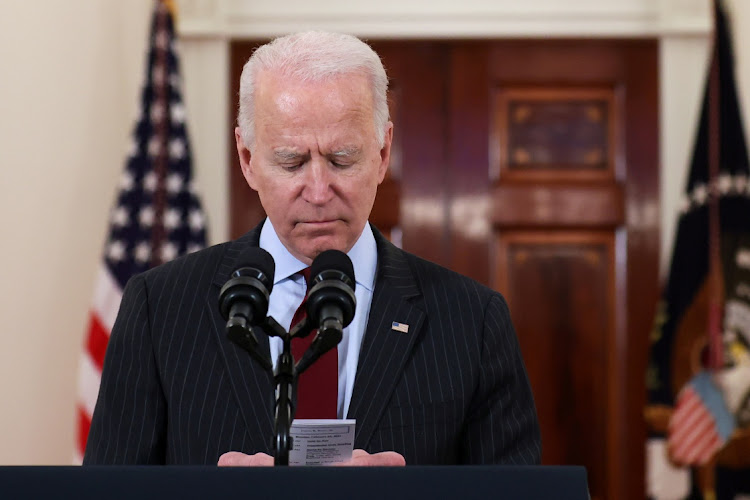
x: 313, y: 56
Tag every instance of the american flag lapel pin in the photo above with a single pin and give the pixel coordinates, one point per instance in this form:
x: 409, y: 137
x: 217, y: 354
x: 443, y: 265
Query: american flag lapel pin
x: 400, y: 327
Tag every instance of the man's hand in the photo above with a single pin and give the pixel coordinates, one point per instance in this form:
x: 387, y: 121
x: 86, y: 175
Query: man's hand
x: 360, y: 458
x: 237, y: 459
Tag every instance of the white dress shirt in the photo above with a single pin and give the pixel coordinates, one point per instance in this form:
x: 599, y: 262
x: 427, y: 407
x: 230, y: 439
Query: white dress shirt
x: 290, y: 288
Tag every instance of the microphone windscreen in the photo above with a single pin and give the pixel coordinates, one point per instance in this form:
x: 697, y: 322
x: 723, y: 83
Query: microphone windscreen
x: 259, y: 259
x: 332, y: 260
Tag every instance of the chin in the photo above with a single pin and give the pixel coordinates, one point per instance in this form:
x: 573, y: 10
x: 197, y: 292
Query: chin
x: 322, y: 244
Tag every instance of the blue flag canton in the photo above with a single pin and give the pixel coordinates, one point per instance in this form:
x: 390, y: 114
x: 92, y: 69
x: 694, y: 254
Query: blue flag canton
x: 158, y: 215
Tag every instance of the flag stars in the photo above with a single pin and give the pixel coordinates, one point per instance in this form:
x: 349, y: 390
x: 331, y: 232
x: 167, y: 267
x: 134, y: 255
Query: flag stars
x: 157, y: 112
x: 176, y: 149
x: 133, y: 147
x: 177, y: 112
x: 174, y: 183
x: 142, y: 252
x: 196, y: 220
x: 126, y: 181
x: 150, y: 182
x: 162, y: 40
x: 156, y: 211
x: 146, y: 217
x: 725, y: 183
x: 168, y: 251
x: 116, y: 251
x: 120, y: 217
x: 742, y: 258
x: 700, y: 194
x: 172, y: 219
x: 154, y: 147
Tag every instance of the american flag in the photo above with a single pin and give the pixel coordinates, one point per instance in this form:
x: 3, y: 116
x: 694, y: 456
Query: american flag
x: 157, y: 216
x: 701, y: 422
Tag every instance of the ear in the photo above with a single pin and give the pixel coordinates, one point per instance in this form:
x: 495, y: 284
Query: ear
x: 245, y: 157
x: 385, y: 152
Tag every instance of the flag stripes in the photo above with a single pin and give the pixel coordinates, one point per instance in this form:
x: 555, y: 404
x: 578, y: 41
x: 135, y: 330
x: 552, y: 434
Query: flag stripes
x: 700, y: 424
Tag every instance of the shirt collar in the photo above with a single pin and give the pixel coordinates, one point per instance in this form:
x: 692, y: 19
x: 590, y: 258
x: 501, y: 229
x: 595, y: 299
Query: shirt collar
x: 364, y: 256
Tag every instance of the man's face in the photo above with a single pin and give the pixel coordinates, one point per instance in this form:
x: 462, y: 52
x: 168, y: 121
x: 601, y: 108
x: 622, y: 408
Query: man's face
x: 316, y: 162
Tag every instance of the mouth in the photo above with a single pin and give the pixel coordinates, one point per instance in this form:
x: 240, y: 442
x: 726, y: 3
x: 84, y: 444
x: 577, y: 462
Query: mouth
x: 319, y: 222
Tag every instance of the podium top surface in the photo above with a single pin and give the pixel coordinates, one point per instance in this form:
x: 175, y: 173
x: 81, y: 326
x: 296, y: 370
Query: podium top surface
x: 279, y: 483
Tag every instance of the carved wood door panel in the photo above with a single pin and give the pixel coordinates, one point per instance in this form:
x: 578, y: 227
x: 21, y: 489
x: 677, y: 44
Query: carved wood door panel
x: 554, y: 202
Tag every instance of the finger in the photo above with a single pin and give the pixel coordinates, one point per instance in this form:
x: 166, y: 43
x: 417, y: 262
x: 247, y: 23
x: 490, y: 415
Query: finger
x: 361, y: 458
x: 237, y: 459
x: 233, y: 459
x: 387, y: 459
x: 357, y: 454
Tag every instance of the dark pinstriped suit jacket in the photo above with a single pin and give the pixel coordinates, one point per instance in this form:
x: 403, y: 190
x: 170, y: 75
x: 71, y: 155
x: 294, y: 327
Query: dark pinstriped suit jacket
x: 452, y: 390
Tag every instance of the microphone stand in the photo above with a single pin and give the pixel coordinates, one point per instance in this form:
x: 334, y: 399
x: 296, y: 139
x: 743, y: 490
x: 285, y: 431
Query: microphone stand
x: 284, y: 409
x: 284, y: 376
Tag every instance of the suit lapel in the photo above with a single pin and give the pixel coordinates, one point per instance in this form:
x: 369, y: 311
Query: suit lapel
x: 384, y: 351
x: 252, y: 386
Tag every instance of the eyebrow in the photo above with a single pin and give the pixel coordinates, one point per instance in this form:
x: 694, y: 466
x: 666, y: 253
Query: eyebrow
x: 291, y: 155
x: 351, y: 151
x: 288, y: 155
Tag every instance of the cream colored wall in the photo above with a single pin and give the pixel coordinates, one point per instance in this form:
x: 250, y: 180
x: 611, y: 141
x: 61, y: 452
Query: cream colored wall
x: 69, y: 73
x: 69, y: 79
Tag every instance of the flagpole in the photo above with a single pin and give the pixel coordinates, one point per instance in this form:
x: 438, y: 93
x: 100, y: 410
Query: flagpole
x: 160, y: 83
x: 716, y: 283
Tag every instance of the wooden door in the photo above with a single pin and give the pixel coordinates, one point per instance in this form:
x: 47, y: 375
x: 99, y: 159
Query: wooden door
x: 531, y: 166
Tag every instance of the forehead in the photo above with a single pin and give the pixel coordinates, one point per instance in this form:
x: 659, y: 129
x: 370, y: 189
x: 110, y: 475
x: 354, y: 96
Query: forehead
x: 341, y: 97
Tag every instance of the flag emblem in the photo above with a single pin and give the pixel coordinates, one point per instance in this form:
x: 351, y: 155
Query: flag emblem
x: 701, y: 422
x: 400, y: 327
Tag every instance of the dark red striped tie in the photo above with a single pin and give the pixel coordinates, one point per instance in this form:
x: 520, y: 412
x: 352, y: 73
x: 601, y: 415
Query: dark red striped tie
x: 318, y: 387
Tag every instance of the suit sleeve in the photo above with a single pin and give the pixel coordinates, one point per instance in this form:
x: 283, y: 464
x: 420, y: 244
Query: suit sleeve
x: 502, y: 426
x: 129, y: 421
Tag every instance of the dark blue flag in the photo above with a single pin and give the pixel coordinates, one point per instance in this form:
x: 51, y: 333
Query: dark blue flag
x: 681, y: 348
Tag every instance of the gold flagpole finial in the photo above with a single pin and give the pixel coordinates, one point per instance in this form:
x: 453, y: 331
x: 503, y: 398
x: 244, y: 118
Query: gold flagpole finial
x: 171, y: 5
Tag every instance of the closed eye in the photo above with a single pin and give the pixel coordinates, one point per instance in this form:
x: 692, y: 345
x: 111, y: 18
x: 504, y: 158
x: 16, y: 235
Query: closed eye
x: 341, y: 164
x: 292, y: 167
x: 344, y: 158
x: 290, y: 160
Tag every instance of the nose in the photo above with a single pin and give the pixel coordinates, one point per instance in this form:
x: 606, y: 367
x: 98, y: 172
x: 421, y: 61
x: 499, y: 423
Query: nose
x: 318, y: 189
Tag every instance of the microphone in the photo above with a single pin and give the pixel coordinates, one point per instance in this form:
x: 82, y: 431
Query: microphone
x: 243, y: 300
x: 330, y: 303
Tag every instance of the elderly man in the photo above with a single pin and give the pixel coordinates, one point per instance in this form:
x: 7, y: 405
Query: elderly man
x: 430, y: 366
